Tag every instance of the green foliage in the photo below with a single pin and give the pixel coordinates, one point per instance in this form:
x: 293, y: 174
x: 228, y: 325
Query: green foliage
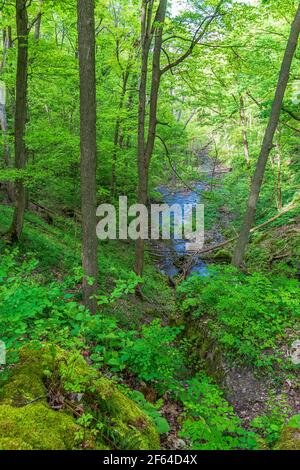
x: 123, y: 287
x: 153, y: 356
x: 152, y: 410
x: 31, y: 308
x: 211, y: 423
x: 253, y: 318
x: 294, y: 422
x: 249, y: 315
x: 270, y: 425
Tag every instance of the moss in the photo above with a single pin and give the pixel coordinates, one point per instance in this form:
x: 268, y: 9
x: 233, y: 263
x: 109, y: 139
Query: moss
x: 222, y: 255
x: 290, y: 439
x: 13, y: 443
x: 205, y: 350
x: 37, y: 427
x: 126, y: 425
x: 26, y: 383
x: 27, y: 422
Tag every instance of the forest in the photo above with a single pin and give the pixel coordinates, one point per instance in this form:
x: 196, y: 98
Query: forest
x: 116, y: 334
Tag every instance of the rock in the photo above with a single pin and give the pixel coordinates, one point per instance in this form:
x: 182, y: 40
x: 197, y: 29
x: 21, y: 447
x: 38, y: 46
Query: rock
x: 28, y: 422
x: 27, y: 380
x: 290, y: 436
x: 36, y: 427
x: 222, y: 255
x: 206, y: 349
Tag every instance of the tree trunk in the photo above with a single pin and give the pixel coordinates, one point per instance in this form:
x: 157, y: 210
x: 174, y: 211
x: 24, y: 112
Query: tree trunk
x: 126, y: 75
x: 37, y: 26
x: 125, y: 143
x: 20, y: 118
x: 7, y: 44
x: 145, y: 150
x: 278, y: 184
x: 244, y: 132
x: 146, y: 39
x: 6, y: 150
x: 239, y: 254
x: 86, y: 48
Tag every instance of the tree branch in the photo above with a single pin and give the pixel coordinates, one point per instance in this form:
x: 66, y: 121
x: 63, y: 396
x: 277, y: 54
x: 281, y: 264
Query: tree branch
x: 196, y: 39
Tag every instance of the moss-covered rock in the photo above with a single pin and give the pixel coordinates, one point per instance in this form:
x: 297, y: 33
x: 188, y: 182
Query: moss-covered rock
x: 36, y: 427
x: 222, y: 256
x: 27, y: 380
x: 290, y: 439
x: 290, y: 436
x: 125, y: 426
x: 27, y: 421
x: 11, y: 443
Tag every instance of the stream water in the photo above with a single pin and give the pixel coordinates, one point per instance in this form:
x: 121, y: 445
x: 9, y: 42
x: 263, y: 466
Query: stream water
x: 172, y: 253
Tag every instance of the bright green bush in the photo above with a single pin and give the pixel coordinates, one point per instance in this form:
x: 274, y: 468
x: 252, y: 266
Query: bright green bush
x: 152, y: 355
x: 33, y: 308
x: 249, y: 315
x: 270, y: 425
x: 211, y: 423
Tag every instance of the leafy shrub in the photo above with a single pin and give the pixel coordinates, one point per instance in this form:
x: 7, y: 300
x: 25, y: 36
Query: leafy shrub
x: 152, y: 410
x: 270, y: 424
x: 31, y: 308
x: 249, y: 315
x: 152, y: 355
x: 211, y: 423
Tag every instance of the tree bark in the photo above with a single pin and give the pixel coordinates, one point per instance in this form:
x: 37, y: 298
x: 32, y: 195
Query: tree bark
x: 146, y: 39
x: 20, y: 119
x: 243, y: 240
x: 86, y: 49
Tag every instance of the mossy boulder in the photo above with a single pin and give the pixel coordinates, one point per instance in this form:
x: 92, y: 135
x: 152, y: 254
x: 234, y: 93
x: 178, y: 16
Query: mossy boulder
x: 26, y: 382
x: 125, y: 425
x: 36, y: 427
x: 27, y: 421
x: 224, y: 256
x: 11, y: 443
x: 290, y: 436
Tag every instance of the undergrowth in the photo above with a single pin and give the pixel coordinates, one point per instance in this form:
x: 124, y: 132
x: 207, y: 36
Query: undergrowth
x: 252, y: 316
x: 43, y: 304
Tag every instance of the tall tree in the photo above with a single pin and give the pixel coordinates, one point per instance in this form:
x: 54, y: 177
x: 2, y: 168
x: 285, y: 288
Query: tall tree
x: 153, y: 28
x: 118, y: 125
x: 239, y: 253
x: 38, y: 21
x: 86, y: 49
x: 244, y: 131
x: 20, y: 118
x: 145, y: 146
x: 7, y: 44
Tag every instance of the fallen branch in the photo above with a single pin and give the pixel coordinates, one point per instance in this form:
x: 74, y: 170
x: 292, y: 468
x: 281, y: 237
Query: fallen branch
x: 277, y: 257
x: 215, y: 247
x: 285, y: 210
